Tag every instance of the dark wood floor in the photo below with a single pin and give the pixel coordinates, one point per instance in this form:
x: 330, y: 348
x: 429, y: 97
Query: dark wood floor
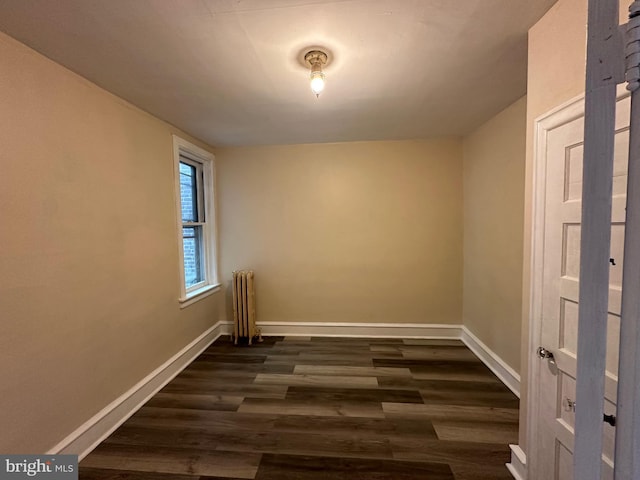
x: 319, y: 408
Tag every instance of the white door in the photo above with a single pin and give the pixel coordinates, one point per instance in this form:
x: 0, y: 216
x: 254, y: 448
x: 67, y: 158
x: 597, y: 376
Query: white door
x: 558, y: 312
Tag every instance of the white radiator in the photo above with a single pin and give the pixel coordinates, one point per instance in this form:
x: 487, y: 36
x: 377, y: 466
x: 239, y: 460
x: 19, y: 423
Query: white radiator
x: 244, y: 307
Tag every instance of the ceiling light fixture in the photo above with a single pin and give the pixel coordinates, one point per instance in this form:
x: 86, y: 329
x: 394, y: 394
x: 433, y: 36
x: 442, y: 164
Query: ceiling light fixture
x: 315, y: 59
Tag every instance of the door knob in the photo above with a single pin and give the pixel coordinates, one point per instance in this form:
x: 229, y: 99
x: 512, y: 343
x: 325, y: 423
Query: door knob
x: 545, y: 353
x: 569, y: 405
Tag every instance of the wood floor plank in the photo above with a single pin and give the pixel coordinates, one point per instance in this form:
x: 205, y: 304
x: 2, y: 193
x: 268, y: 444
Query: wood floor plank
x: 443, y: 370
x: 284, y: 348
x: 491, y: 394
x: 364, y: 395
x: 318, y: 360
x: 208, y: 356
x: 355, y: 340
x: 455, y: 387
x: 333, y: 425
x: 318, y: 409
x: 304, y: 443
x: 432, y: 342
x: 174, y: 460
x: 414, y: 428
x: 213, y: 375
x: 312, y: 348
x: 249, y: 390
x: 319, y: 352
x: 424, y: 363
x: 487, y: 472
x: 196, y: 401
x: 189, y: 419
x: 442, y: 451
x: 479, y: 432
x: 206, y: 477
x: 235, y: 350
x: 459, y: 354
x: 267, y: 367
x: 317, y: 380
x: 186, y: 383
x: 451, y: 412
x: 351, y: 371
x: 357, y: 427
x: 88, y: 473
x: 441, y: 384
x: 497, y: 399
x: 194, y: 438
x: 254, y: 440
x: 477, y: 374
x: 383, y: 348
x: 293, y: 467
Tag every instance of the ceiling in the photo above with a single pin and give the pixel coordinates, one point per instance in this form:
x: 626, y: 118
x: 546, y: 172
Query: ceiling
x: 228, y: 71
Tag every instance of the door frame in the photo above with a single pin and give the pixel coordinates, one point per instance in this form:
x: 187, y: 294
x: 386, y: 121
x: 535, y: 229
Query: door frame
x: 558, y: 116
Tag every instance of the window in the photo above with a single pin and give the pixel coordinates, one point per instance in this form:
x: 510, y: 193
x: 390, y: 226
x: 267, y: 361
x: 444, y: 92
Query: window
x: 196, y: 221
x: 193, y: 220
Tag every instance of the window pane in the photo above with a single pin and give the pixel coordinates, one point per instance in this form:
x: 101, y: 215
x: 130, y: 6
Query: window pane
x: 192, y: 244
x: 188, y: 193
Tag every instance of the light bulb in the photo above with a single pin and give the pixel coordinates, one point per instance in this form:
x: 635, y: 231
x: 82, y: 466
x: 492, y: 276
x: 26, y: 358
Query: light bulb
x: 316, y: 59
x: 317, y: 82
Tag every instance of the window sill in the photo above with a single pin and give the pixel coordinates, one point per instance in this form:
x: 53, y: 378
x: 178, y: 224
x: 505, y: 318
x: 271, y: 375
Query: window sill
x: 197, y: 295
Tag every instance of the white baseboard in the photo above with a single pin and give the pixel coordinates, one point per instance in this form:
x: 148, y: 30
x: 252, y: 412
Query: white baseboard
x: 369, y: 330
x: 504, y: 372
x: 518, y: 465
x: 86, y: 437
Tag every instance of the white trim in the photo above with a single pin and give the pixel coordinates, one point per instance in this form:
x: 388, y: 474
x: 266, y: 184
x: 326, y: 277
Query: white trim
x: 518, y: 465
x: 194, y: 296
x: 366, y: 330
x: 555, y: 118
x: 497, y: 365
x: 207, y: 159
x: 627, y: 461
x: 605, y: 69
x: 87, y: 436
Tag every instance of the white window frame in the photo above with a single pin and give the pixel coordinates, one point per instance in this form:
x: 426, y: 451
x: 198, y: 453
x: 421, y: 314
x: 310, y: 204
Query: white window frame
x: 204, y: 162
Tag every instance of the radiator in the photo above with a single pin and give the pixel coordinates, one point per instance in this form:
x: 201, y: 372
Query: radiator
x: 244, y: 307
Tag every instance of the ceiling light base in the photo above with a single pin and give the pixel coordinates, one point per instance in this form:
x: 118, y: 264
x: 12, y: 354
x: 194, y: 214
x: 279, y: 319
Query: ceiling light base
x: 315, y: 57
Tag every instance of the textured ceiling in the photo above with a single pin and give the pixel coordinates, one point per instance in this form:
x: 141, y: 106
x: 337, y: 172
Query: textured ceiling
x: 228, y: 71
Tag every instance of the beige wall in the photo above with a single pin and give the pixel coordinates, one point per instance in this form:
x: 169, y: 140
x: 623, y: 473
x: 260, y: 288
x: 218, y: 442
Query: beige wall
x: 557, y: 46
x: 351, y: 232
x: 88, y: 251
x: 556, y: 72
x: 494, y: 161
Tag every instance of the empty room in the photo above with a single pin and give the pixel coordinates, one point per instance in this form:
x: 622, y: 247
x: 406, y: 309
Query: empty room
x: 328, y: 239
